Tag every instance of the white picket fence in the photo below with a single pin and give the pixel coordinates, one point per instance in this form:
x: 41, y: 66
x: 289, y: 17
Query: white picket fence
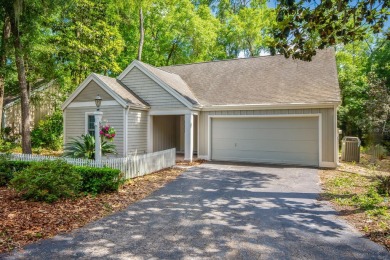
x: 131, y: 166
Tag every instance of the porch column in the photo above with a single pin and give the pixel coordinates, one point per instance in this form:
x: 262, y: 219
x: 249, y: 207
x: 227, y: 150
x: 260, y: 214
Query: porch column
x: 188, y: 137
x: 98, y: 146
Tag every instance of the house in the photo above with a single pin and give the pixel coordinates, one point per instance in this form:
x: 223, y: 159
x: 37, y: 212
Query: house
x: 266, y: 109
x: 44, y: 99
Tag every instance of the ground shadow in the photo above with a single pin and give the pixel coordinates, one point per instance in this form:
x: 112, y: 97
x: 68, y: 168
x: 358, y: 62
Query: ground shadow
x: 219, y: 211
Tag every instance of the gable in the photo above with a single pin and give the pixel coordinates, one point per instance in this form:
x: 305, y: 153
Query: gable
x: 149, y: 90
x: 90, y: 92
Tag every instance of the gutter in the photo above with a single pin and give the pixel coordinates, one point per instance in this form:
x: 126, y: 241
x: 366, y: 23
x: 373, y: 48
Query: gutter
x: 270, y: 106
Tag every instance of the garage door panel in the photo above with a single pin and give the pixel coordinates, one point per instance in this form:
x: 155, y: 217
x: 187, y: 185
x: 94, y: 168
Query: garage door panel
x: 269, y: 134
x: 275, y: 140
x: 267, y: 145
x: 270, y: 123
x: 269, y: 157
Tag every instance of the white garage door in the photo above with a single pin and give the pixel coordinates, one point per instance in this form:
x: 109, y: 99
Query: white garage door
x: 279, y: 140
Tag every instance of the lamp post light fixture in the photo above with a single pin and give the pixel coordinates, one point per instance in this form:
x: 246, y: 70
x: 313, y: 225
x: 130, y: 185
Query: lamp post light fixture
x: 98, y: 118
x: 98, y: 102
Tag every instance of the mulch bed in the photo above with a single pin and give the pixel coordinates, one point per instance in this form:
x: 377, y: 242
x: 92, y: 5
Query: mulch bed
x: 371, y: 227
x: 23, y: 222
x: 376, y: 229
x: 186, y: 163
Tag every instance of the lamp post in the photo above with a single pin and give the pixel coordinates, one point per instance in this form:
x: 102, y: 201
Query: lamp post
x: 98, y: 118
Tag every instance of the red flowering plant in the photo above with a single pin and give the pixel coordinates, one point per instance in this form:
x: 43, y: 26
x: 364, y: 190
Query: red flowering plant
x: 108, y: 132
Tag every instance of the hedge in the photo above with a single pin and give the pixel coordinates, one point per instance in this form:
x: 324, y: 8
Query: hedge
x: 47, y: 181
x: 8, y: 168
x: 94, y: 180
x: 98, y: 180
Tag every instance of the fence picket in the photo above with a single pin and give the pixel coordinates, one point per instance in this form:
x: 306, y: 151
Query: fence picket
x: 131, y: 166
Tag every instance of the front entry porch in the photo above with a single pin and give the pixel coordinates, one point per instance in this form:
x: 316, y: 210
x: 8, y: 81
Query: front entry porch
x: 174, y: 131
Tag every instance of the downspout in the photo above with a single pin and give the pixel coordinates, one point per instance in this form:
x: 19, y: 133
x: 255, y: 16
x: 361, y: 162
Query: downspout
x: 125, y: 130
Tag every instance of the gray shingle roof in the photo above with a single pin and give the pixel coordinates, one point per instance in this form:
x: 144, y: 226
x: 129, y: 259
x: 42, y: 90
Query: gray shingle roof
x: 262, y: 80
x: 124, y: 92
x: 174, y: 81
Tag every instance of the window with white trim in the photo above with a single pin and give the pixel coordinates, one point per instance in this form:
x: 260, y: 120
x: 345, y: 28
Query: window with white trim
x: 91, y: 125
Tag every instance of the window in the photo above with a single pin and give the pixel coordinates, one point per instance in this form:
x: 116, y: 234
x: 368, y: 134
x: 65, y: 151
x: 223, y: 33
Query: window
x: 91, y: 125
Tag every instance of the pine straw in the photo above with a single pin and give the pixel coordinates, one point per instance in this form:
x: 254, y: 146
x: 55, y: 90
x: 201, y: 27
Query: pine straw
x: 186, y: 163
x: 24, y: 222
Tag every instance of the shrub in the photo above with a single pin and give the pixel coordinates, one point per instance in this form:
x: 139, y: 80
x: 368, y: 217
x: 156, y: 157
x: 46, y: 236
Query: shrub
x: 377, y: 151
x: 7, y: 146
x: 48, y: 133
x: 84, y: 147
x: 369, y: 200
x: 8, y: 169
x: 98, y: 180
x: 47, y: 181
x: 383, y: 184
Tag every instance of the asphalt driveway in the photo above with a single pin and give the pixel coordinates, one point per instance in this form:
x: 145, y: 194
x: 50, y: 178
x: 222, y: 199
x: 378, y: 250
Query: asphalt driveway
x: 220, y: 211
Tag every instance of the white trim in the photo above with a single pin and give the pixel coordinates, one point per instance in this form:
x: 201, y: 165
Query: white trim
x: 269, y: 106
x: 86, y: 121
x: 203, y: 157
x: 197, y: 143
x: 125, y: 130
x: 85, y: 84
x: 188, y: 137
x: 319, y: 115
x: 165, y: 86
x: 136, y: 107
x: 165, y: 112
x: 92, y: 104
x: 336, y: 137
x: 64, y: 125
x: 320, y: 157
x: 328, y: 165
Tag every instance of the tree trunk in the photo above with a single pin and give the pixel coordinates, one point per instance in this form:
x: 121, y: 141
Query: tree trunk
x: 171, y: 53
x: 141, y: 34
x: 24, y: 97
x: 3, y: 59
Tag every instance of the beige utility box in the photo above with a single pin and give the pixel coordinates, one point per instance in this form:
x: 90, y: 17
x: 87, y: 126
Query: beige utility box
x: 350, y: 149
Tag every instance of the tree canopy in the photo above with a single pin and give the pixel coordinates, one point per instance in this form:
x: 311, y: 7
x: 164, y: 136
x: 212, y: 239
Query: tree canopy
x: 306, y: 25
x: 363, y: 69
x: 67, y: 40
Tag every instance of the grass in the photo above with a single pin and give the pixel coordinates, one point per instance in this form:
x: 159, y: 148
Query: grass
x: 355, y: 191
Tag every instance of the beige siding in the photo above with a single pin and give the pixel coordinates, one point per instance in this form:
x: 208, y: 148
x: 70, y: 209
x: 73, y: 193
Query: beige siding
x: 165, y: 132
x: 180, y: 134
x: 137, y: 131
x: 149, y: 90
x: 91, y: 91
x: 75, y: 123
x: 42, y: 104
x: 328, y: 127
x: 168, y: 132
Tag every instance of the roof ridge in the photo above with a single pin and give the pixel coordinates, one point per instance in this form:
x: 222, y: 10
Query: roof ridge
x: 223, y: 60
x: 101, y: 75
x: 159, y: 68
x: 233, y: 59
